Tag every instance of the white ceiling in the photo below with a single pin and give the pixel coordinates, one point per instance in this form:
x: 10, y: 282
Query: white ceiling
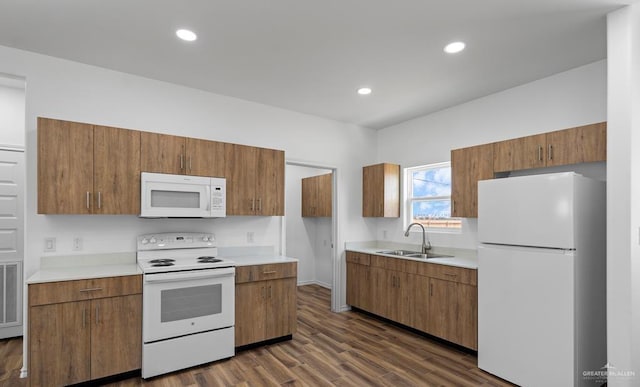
x: 311, y: 56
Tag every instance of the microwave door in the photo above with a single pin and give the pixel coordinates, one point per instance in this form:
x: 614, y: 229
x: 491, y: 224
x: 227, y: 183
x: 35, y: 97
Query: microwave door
x: 183, y: 200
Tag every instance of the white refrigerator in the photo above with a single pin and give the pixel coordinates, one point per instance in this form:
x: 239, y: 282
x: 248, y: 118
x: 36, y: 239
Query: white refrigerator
x: 541, y: 279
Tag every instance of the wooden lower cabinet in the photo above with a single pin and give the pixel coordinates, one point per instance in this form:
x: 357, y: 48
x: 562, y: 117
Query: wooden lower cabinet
x: 265, y: 308
x: 81, y: 340
x: 436, y: 299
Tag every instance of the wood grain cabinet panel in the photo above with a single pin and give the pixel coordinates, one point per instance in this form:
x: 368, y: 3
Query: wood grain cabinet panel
x: 269, y: 190
x: 265, y: 308
x: 162, y: 153
x: 468, y: 166
x: 381, y: 190
x: 453, y: 312
x: 87, y: 169
x: 316, y: 196
x: 577, y: 145
x: 520, y: 153
x: 77, y: 341
x: 204, y: 157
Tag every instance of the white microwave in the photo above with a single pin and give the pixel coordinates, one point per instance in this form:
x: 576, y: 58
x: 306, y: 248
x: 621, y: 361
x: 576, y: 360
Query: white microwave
x: 181, y: 196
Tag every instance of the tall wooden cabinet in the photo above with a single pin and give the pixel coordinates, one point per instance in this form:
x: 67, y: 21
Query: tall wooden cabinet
x: 581, y: 144
x: 87, y: 169
x: 359, y: 281
x: 255, y: 180
x: 468, y: 166
x: 163, y: 153
x: 265, y: 302
x: 84, y: 330
x: 381, y: 190
x: 316, y: 196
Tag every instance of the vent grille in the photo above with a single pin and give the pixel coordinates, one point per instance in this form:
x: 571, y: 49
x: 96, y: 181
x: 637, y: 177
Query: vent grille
x: 9, y: 293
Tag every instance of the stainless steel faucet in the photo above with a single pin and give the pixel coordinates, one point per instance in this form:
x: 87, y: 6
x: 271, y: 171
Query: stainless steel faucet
x: 426, y: 244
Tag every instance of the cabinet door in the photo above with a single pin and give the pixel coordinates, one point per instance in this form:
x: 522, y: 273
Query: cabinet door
x: 468, y: 166
x: 162, y: 153
x: 309, y: 196
x: 65, y: 167
x: 577, y: 145
x: 116, y: 335
x: 250, y: 312
x: 116, y: 155
x: 269, y: 193
x: 281, y: 308
x: 205, y: 158
x: 353, y: 285
x: 325, y: 192
x: 418, y: 296
x: 241, y: 179
x: 402, y: 305
x: 373, y: 191
x: 380, y: 291
x: 59, y: 343
x: 520, y: 153
x: 467, y: 318
x: 442, y: 309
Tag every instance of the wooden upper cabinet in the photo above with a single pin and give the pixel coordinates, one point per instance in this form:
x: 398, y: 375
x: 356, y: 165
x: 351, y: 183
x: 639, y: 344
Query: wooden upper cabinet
x: 86, y: 169
x: 65, y: 167
x: 270, y: 182
x: 381, y: 190
x: 581, y: 144
x: 162, y: 153
x: 205, y: 158
x: 316, y: 196
x: 255, y: 180
x: 468, y: 166
x: 520, y: 153
x: 116, y: 156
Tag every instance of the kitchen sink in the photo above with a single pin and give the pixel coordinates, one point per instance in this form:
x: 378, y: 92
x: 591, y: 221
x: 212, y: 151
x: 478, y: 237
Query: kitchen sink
x: 414, y: 254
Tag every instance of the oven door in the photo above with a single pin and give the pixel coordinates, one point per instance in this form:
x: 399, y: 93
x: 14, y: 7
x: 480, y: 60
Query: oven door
x: 164, y: 195
x: 185, y: 302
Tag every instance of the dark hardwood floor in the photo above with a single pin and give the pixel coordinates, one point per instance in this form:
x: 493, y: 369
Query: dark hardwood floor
x: 329, y: 349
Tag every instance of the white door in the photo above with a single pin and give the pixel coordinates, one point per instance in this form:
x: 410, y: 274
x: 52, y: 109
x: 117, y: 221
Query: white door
x: 11, y: 241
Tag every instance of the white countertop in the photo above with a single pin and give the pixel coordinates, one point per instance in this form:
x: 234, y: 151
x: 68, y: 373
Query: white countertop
x: 78, y: 267
x: 261, y: 259
x: 460, y: 257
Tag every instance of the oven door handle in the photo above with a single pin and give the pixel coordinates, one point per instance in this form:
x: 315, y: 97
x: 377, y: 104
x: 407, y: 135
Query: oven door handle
x: 187, y: 275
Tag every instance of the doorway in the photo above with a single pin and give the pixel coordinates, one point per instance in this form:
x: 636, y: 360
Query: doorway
x: 311, y: 238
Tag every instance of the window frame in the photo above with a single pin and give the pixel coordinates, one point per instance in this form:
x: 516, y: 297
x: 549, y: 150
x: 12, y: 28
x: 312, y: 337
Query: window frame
x: 452, y: 224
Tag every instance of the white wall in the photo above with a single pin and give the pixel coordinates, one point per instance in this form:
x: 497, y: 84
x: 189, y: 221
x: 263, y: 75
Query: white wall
x: 308, y: 239
x: 73, y: 91
x: 12, y: 112
x: 623, y: 192
x: 572, y: 98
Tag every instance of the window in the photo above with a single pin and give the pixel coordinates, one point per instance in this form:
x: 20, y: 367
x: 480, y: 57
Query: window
x: 428, y: 196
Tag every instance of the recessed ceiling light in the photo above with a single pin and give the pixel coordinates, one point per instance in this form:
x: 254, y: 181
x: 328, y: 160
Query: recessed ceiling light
x: 454, y: 47
x: 364, y: 91
x: 187, y: 35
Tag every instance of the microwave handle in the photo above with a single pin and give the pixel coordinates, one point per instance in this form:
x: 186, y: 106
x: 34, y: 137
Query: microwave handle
x: 188, y: 275
x: 208, y: 191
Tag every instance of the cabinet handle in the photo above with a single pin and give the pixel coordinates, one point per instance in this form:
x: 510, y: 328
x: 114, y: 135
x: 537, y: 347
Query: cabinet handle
x: 539, y: 152
x: 263, y: 292
x: 430, y: 290
x: 88, y: 200
x: 259, y: 204
x: 84, y: 317
x: 269, y: 272
x: 253, y: 204
x: 550, y: 152
x: 99, y: 199
x: 90, y: 290
x: 97, y: 314
x: 270, y: 292
x: 190, y: 158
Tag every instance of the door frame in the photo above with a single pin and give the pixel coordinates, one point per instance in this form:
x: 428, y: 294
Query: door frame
x: 336, y: 280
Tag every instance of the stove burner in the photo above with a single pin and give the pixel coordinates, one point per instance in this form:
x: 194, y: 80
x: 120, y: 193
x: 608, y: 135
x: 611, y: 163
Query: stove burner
x: 209, y: 259
x: 162, y: 260
x: 162, y: 264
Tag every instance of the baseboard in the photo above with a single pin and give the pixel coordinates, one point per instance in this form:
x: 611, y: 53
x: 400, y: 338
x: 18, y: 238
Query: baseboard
x: 324, y: 285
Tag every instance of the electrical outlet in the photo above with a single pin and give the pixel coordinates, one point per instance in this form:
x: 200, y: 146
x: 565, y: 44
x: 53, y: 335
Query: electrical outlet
x: 49, y: 245
x: 77, y: 244
x: 250, y: 237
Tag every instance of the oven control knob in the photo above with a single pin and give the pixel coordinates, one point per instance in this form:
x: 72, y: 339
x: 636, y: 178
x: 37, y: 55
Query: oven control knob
x: 206, y: 238
x: 144, y: 241
x: 152, y: 240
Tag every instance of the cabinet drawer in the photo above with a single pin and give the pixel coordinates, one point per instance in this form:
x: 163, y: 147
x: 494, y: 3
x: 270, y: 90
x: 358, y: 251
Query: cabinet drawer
x: 65, y: 291
x: 266, y: 272
x: 359, y: 258
x: 397, y: 264
x: 449, y: 273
